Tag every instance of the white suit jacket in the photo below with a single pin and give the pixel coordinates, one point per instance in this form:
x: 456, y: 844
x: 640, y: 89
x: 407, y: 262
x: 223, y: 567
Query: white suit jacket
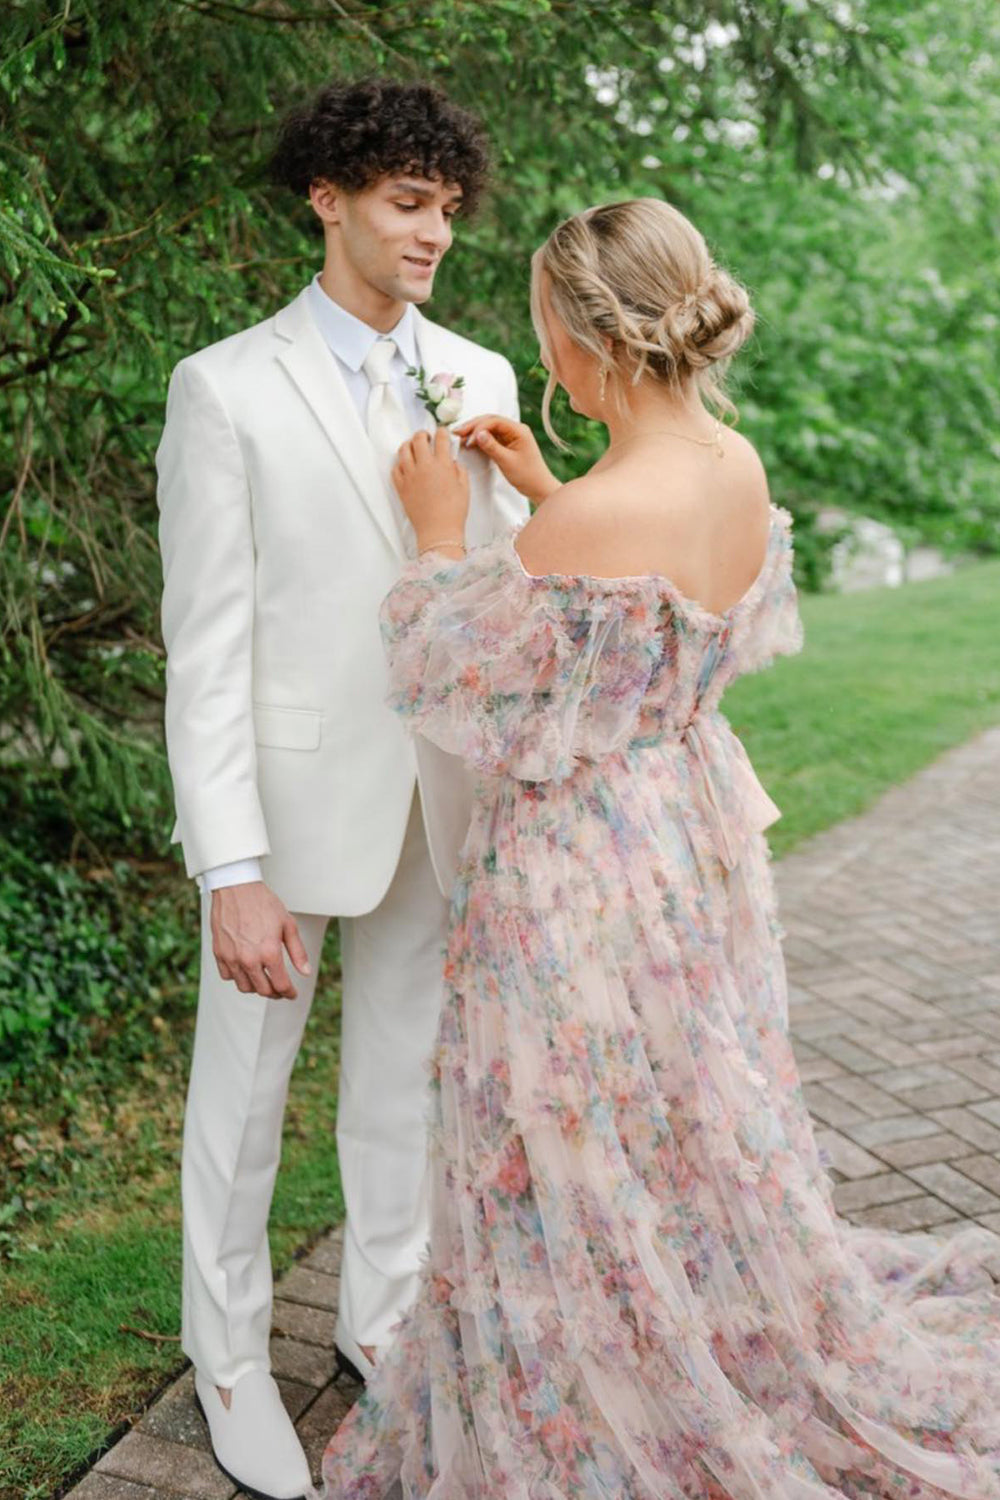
x: 279, y: 543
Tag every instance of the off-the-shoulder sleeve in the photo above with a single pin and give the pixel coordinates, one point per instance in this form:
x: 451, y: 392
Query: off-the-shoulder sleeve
x: 773, y: 627
x: 516, y: 675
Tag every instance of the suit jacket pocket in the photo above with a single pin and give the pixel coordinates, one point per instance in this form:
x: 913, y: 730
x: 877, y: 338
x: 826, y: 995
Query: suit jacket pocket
x: 287, y: 728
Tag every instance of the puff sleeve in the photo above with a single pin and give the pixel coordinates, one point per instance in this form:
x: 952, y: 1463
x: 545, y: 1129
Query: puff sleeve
x: 773, y: 626
x: 515, y: 674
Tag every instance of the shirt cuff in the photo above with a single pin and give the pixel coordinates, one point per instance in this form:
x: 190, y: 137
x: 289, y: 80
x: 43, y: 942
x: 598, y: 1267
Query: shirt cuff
x: 237, y: 872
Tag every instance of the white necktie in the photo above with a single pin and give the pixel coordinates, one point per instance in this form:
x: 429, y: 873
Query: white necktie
x: 388, y: 427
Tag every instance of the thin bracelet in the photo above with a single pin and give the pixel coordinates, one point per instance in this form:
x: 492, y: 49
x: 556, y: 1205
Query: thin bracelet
x: 449, y: 542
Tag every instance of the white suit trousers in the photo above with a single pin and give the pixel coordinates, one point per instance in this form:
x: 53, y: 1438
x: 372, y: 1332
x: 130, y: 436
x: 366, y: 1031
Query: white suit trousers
x: 245, y: 1046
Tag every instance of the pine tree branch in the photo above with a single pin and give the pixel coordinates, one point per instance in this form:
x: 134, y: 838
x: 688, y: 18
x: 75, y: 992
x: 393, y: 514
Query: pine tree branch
x: 50, y: 357
x: 225, y: 10
x: 14, y: 508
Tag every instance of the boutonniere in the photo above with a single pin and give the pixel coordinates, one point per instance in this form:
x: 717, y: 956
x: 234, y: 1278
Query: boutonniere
x: 442, y: 394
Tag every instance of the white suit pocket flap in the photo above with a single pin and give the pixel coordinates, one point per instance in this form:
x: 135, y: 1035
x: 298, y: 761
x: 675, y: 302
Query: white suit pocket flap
x: 287, y: 728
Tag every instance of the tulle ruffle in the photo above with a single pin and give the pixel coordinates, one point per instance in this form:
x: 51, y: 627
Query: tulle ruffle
x: 528, y: 677
x: 637, y: 1284
x: 637, y: 1287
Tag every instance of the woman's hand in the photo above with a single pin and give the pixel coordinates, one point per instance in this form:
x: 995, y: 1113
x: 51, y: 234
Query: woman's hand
x: 512, y: 447
x: 433, y: 487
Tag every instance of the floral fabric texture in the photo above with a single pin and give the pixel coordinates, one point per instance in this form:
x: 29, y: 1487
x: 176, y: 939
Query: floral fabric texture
x: 637, y: 1287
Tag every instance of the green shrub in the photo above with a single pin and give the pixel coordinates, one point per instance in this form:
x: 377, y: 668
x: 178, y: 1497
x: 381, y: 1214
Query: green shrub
x: 84, y: 966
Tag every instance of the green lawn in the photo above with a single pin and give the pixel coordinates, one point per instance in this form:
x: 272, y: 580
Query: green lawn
x: 102, y: 1251
x: 886, y: 682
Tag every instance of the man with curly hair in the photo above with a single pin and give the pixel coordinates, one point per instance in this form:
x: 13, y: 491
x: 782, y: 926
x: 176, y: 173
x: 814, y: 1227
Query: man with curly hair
x: 299, y: 796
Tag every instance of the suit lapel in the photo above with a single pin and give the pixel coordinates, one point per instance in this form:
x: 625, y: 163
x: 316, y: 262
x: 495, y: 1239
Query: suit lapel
x: 316, y: 374
x: 432, y: 351
x: 437, y: 352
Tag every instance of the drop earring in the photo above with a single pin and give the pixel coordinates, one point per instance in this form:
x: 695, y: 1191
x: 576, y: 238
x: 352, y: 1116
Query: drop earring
x: 602, y: 383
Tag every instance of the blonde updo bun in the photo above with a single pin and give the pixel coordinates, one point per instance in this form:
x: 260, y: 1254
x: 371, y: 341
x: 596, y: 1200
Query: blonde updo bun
x: 640, y: 274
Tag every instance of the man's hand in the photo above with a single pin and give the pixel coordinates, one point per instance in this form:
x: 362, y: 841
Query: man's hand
x: 249, y: 928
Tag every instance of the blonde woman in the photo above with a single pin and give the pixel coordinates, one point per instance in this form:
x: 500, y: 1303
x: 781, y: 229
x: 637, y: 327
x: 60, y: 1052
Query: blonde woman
x: 637, y: 1284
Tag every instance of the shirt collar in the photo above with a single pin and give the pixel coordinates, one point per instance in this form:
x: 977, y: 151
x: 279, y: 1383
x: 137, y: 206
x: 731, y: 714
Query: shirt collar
x: 350, y: 338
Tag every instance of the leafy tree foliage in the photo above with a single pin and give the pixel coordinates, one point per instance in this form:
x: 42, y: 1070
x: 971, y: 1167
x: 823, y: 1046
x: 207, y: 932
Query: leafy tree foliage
x: 835, y: 153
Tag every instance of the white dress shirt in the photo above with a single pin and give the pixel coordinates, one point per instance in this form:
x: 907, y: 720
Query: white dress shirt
x: 349, y: 340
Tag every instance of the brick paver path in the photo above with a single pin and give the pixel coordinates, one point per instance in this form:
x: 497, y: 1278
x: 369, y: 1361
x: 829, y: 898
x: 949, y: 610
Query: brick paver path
x: 893, y: 953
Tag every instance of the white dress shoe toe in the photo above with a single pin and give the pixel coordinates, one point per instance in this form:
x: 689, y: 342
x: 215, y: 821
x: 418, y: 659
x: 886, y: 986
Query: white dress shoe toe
x: 254, y: 1441
x: 346, y: 1346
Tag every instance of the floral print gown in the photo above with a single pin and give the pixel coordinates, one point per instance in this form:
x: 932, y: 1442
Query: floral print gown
x: 637, y: 1286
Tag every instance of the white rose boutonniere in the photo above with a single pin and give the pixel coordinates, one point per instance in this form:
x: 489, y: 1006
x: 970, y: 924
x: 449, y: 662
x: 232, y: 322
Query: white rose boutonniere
x: 441, y: 394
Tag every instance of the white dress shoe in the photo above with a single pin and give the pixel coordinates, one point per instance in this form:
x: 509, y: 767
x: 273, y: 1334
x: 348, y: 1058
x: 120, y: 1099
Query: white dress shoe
x: 350, y: 1357
x: 254, y: 1442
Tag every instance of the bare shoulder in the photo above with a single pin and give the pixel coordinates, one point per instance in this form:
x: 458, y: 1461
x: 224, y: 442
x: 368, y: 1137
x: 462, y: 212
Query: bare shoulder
x: 702, y: 522
x: 573, y: 531
x: 748, y: 479
x: 746, y: 460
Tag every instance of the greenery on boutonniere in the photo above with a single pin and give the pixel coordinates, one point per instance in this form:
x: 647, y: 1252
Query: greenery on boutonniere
x: 441, y: 394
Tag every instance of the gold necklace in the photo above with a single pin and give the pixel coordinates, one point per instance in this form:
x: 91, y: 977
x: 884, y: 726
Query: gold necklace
x: 715, y: 441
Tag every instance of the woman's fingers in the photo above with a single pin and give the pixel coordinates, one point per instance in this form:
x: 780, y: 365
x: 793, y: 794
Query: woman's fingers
x: 461, y: 428
x: 425, y: 446
x: 414, y: 447
x: 500, y: 429
x: 467, y: 434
